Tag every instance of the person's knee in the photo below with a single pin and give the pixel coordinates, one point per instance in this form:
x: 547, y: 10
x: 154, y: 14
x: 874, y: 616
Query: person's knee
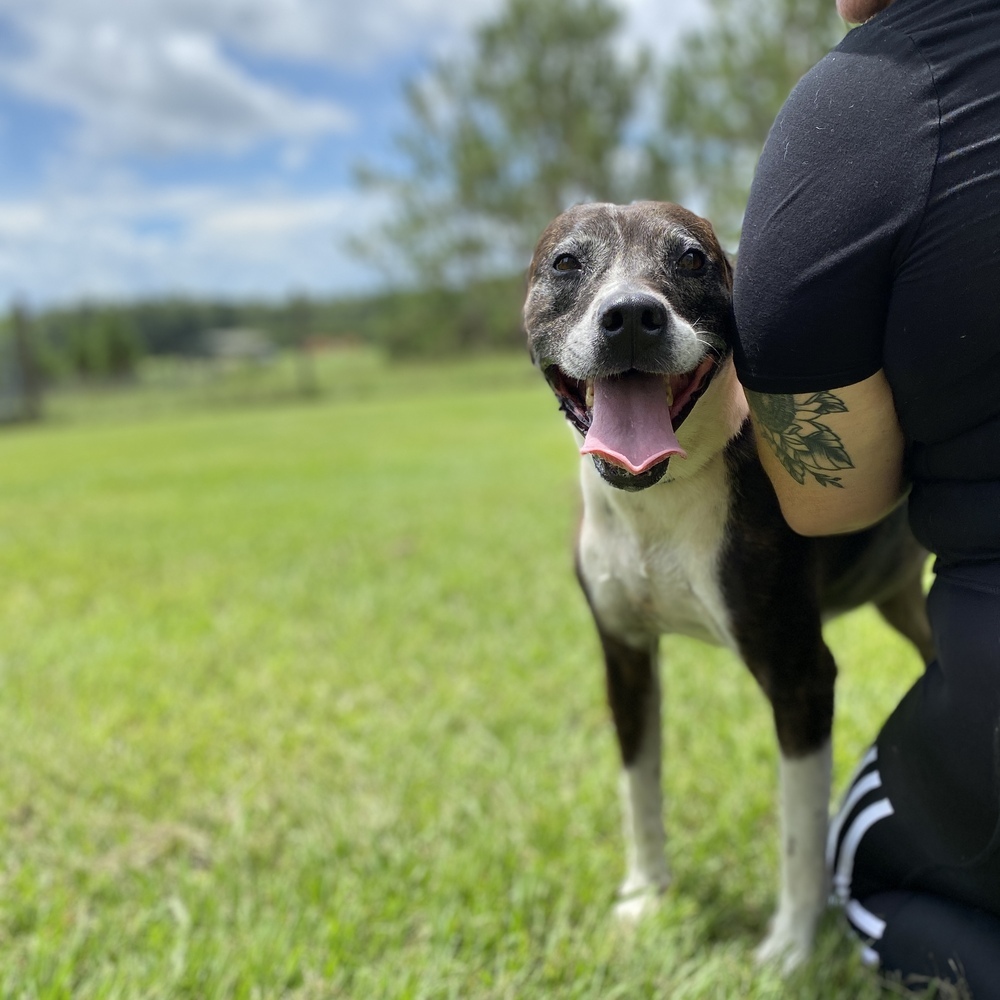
x: 924, y: 938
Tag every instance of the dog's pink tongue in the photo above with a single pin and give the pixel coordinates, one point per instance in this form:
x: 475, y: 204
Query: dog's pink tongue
x: 631, y: 425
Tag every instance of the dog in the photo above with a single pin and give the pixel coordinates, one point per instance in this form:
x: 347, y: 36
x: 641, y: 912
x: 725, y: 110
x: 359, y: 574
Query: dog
x: 629, y: 317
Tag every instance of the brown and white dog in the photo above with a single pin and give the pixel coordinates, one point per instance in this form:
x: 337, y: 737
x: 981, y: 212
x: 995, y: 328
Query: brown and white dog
x: 629, y: 316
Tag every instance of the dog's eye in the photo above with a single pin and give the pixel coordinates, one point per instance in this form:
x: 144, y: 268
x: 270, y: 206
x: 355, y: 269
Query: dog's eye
x: 566, y: 262
x: 692, y: 261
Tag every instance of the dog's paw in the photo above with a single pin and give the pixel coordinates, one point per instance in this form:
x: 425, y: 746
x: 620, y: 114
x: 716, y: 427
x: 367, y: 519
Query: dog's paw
x: 637, y: 902
x: 629, y: 912
x: 788, y: 944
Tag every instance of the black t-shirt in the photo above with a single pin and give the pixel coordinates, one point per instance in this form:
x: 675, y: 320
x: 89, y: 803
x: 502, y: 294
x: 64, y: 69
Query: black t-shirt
x: 872, y: 240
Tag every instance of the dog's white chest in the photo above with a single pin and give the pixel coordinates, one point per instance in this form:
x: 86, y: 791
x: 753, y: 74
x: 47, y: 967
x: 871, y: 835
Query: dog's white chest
x: 650, y: 559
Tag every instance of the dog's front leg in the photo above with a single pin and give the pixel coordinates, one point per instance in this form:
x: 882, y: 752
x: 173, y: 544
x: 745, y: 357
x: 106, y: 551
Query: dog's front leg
x: 634, y: 695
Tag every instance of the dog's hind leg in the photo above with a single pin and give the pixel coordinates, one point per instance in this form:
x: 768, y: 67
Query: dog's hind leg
x: 634, y: 695
x: 906, y: 611
x: 797, y: 672
x: 805, y: 796
x: 770, y: 582
x: 803, y: 713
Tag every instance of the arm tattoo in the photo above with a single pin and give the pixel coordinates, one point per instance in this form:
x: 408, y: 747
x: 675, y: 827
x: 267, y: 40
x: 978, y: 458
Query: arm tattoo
x: 803, y: 444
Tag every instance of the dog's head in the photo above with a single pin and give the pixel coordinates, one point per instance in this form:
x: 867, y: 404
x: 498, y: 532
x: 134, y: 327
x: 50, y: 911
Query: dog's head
x: 629, y: 314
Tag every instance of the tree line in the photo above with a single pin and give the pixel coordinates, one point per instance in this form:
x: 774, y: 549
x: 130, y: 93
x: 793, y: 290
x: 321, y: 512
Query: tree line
x: 105, y: 342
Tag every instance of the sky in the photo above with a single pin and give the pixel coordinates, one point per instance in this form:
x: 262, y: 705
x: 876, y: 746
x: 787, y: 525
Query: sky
x: 206, y: 147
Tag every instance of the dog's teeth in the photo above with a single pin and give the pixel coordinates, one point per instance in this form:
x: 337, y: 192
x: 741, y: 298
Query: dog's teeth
x: 590, y: 395
x: 670, y: 395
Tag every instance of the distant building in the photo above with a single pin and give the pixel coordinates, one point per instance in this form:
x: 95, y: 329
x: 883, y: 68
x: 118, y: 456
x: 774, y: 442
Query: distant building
x: 231, y: 344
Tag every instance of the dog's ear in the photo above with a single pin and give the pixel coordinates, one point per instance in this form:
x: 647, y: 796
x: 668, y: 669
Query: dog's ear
x: 730, y: 260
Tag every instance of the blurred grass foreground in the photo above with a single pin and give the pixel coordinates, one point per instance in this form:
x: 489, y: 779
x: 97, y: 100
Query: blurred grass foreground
x: 301, y: 701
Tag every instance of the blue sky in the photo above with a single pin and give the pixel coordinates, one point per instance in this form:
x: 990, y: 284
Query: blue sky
x: 205, y: 146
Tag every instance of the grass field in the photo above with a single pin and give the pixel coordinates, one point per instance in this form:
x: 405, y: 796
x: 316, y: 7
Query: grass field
x: 301, y: 701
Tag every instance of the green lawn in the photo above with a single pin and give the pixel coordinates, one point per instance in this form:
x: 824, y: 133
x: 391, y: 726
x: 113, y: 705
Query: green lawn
x: 301, y: 701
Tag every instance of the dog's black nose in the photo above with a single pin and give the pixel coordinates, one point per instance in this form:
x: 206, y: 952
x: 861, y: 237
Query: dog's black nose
x: 638, y: 316
x: 633, y: 326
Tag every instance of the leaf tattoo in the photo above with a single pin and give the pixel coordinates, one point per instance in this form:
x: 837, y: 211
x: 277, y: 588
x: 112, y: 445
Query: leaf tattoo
x: 803, y: 444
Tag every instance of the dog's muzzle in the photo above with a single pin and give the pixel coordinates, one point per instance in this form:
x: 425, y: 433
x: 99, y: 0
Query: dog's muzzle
x: 629, y: 420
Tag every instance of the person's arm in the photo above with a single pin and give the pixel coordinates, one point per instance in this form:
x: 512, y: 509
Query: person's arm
x: 835, y: 457
x: 838, y: 195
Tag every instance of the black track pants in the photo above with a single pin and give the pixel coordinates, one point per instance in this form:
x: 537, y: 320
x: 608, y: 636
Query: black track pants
x: 915, y: 849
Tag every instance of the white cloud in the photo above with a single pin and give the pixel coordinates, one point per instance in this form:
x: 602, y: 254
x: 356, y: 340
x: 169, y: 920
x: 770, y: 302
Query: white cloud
x: 660, y: 23
x: 258, y: 220
x: 130, y: 240
x: 160, y: 76
x: 18, y: 220
x: 152, y: 85
x: 166, y: 77
x: 344, y: 32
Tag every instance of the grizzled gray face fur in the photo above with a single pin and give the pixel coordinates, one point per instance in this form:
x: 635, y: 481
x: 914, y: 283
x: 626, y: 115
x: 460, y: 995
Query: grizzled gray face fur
x: 620, y: 293
x: 593, y: 255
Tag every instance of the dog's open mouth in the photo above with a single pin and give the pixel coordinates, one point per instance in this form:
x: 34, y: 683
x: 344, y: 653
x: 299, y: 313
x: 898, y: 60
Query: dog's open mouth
x: 629, y: 421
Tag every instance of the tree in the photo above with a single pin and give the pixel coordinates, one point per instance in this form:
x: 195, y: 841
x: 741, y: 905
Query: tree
x: 299, y: 313
x: 536, y: 118
x: 725, y: 87
x: 104, y: 344
x: 20, y: 370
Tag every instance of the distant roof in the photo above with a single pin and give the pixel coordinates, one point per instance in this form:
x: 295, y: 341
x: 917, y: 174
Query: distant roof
x: 236, y: 342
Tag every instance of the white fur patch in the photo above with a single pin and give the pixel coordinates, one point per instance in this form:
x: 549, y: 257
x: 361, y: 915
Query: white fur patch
x: 646, y: 875
x: 650, y: 559
x: 805, y: 804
